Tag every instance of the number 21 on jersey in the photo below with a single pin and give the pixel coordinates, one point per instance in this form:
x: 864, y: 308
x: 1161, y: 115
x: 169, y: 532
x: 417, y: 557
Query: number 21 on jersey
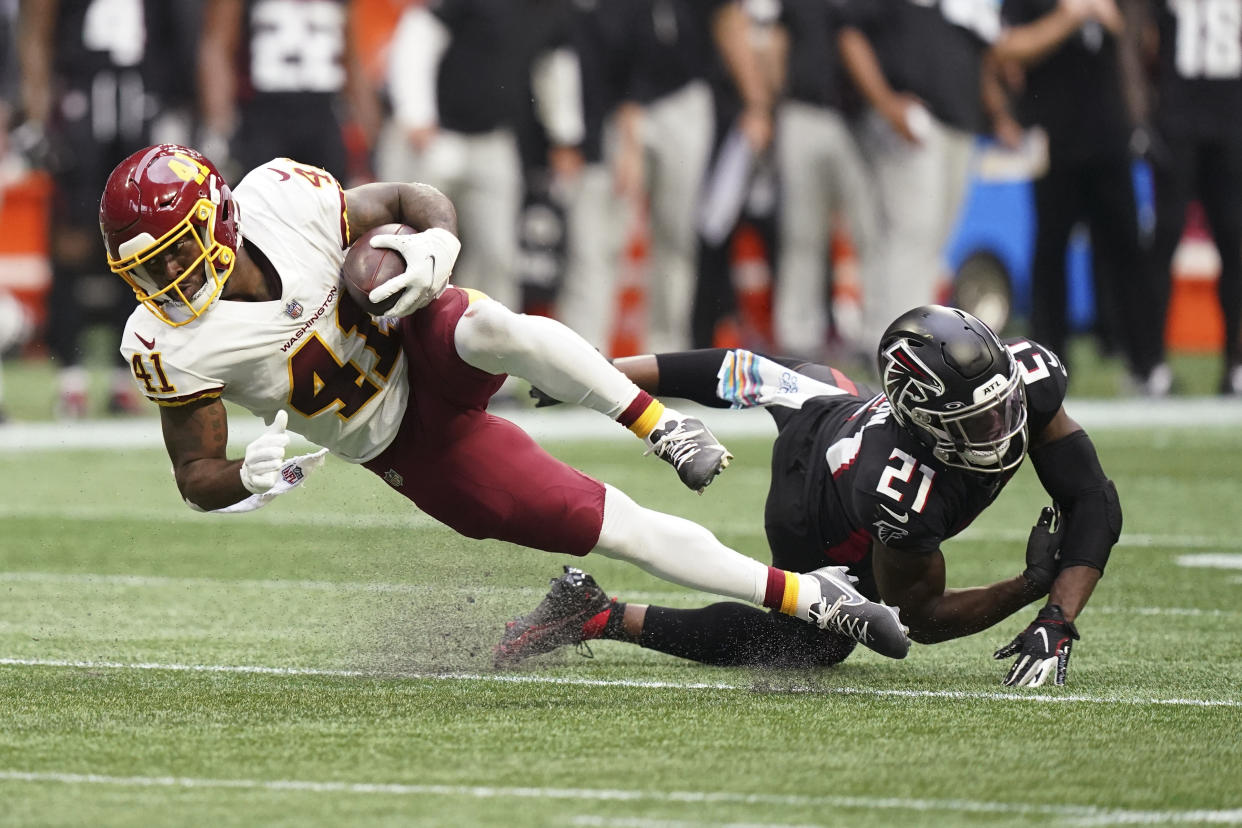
x: 896, y: 478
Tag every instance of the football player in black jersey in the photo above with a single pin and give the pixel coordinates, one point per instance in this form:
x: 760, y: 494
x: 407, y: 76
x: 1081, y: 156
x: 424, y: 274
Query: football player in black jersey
x: 876, y: 481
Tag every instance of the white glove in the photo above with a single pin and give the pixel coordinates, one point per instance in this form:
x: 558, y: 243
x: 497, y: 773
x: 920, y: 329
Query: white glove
x: 429, y: 259
x: 261, y: 468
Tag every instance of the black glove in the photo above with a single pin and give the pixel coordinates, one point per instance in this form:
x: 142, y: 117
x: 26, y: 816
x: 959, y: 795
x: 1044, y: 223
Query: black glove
x: 1043, y: 645
x: 541, y: 397
x: 1043, y: 549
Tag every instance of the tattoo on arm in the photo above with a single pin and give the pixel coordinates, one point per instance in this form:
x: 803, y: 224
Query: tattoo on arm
x: 421, y: 206
x: 196, y: 436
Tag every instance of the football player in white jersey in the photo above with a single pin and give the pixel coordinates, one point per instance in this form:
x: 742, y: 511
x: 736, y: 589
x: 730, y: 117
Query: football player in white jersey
x: 241, y: 301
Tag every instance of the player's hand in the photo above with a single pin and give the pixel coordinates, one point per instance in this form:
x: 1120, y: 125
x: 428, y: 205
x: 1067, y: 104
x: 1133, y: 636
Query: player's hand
x: 1042, y: 648
x: 261, y: 468
x: 1043, y: 549
x: 542, y: 398
x: 429, y: 259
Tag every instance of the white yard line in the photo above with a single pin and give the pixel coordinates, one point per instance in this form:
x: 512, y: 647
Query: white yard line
x: 511, y: 678
x: 1077, y: 813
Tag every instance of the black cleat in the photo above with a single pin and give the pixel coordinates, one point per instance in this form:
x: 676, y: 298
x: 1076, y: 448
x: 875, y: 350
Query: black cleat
x: 689, y: 446
x: 844, y: 610
x: 573, y: 600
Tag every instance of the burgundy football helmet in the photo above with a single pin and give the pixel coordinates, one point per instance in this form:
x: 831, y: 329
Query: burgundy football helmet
x: 171, y: 230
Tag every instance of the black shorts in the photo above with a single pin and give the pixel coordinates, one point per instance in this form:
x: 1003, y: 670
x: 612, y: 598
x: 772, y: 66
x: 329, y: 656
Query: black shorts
x: 797, y: 489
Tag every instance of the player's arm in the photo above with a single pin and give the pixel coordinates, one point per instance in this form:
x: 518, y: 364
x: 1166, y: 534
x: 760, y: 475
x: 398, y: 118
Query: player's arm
x: 860, y: 61
x: 429, y: 254
x: 1067, y: 465
x: 915, y: 582
x: 1069, y: 469
x: 36, y: 30
x: 360, y: 92
x: 732, y: 32
x: 1029, y: 43
x: 196, y: 436
x: 421, y: 206
x: 217, y: 78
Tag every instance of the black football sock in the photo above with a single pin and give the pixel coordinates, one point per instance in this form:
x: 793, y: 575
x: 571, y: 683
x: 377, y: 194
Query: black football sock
x: 732, y: 634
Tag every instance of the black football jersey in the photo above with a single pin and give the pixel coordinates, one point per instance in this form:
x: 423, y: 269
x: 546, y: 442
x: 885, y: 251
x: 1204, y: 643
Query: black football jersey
x: 868, y: 478
x: 293, y: 48
x: 1199, y: 84
x: 932, y: 49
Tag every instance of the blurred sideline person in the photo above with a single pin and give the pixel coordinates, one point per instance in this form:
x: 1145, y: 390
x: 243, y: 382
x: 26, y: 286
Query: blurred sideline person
x: 600, y: 198
x: 10, y: 322
x: 666, y: 128
x: 283, y: 79
x: 739, y: 190
x: 1074, y: 89
x: 1198, y: 152
x: 459, y: 78
x: 877, y: 481
x: 824, y: 179
x: 95, y: 74
x: 240, y: 301
x: 920, y: 68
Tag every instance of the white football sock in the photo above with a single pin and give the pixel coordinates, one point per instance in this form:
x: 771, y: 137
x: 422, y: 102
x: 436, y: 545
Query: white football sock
x: 543, y: 352
x: 677, y: 550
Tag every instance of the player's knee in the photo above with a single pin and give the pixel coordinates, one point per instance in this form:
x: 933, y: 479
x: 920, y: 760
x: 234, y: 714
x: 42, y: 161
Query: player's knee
x: 622, y: 533
x: 488, y: 330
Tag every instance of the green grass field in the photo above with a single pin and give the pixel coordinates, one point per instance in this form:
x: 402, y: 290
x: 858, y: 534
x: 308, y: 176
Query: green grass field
x: 325, y: 661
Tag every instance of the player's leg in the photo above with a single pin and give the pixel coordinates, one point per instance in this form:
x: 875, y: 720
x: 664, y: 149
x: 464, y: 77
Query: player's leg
x: 593, y: 238
x: 1057, y: 206
x: 488, y: 205
x: 677, y: 136
x: 800, y: 304
x: 577, y: 610
x: 1112, y: 214
x: 735, y: 378
x: 486, y: 478
x: 553, y: 357
x: 685, y: 553
x: 1220, y: 188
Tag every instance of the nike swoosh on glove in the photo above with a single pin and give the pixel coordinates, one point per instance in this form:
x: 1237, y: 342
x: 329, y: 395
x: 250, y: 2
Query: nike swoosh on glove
x: 1042, y: 648
x: 265, y: 455
x: 429, y: 260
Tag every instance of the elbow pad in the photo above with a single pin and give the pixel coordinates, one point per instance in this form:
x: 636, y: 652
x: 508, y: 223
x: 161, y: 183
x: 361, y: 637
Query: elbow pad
x: 1071, y: 472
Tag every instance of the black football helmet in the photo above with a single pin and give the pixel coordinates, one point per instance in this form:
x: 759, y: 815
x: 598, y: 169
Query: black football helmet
x: 956, y: 387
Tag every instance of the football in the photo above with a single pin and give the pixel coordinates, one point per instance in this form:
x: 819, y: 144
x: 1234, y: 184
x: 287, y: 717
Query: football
x: 365, y: 267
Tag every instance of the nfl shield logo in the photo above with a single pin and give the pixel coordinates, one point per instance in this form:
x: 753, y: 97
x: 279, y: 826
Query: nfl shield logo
x: 392, y: 478
x: 293, y: 309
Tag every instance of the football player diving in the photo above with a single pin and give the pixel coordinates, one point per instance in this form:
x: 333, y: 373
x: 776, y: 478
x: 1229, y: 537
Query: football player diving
x: 241, y: 301
x: 876, y: 481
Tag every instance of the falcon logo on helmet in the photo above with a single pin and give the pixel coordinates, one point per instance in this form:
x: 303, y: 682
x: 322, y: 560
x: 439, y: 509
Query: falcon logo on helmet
x: 954, y: 386
x: 906, y: 377
x: 171, y: 230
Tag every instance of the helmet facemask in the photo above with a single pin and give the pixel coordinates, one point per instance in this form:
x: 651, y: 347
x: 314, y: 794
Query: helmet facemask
x: 987, y: 436
x: 191, y: 245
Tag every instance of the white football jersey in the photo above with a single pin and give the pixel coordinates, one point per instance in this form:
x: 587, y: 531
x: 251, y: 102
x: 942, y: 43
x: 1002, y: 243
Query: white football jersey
x: 338, y: 372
